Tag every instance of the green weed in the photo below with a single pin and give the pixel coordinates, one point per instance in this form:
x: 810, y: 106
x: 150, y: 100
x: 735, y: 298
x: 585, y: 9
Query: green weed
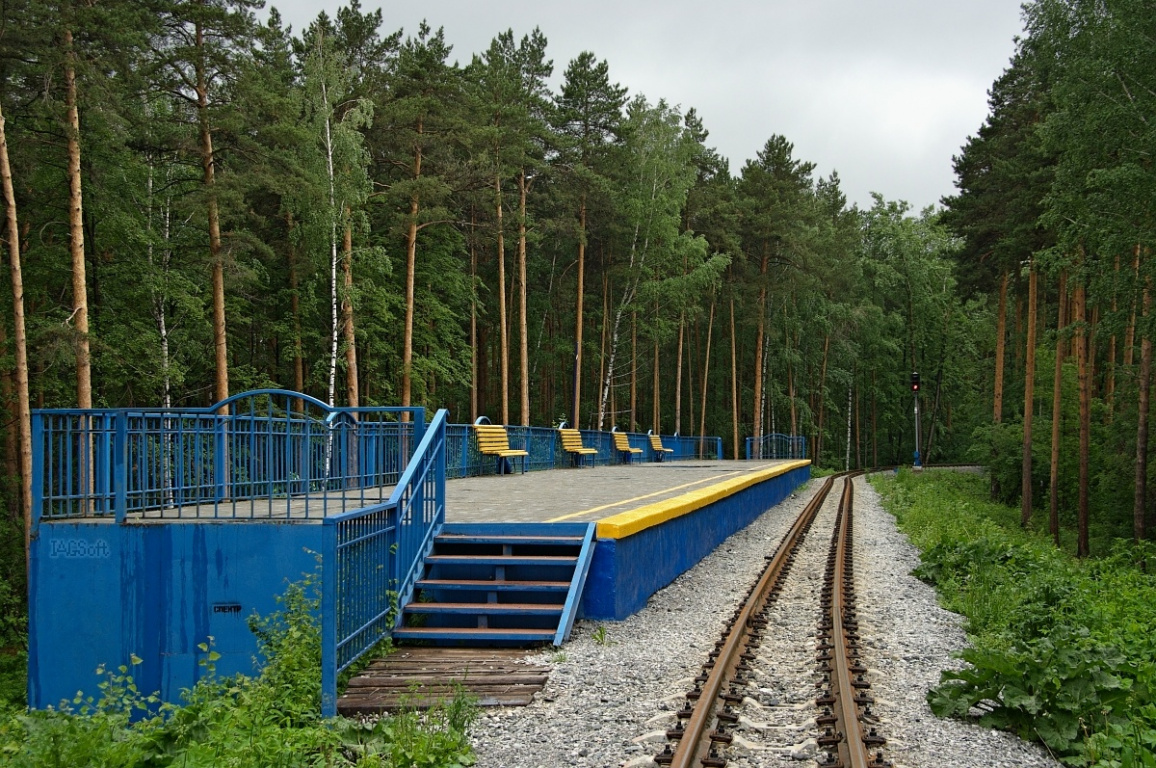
x: 272, y: 720
x: 1061, y: 650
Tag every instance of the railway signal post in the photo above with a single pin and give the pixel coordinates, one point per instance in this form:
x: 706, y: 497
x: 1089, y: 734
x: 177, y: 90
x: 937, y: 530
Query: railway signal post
x: 918, y: 465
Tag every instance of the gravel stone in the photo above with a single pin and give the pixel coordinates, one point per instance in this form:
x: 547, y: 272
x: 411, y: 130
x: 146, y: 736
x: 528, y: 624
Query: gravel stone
x: 607, y: 704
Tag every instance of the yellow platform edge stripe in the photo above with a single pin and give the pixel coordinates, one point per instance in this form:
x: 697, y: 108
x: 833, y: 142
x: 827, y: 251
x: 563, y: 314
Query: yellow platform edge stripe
x: 629, y: 523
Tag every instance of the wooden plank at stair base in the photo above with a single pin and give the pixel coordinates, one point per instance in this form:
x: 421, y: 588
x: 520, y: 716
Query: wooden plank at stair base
x: 403, y: 681
x: 417, y: 678
x: 394, y: 703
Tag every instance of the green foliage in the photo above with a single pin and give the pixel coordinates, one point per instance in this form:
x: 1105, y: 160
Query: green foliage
x: 435, y: 738
x: 237, y: 722
x: 1061, y: 650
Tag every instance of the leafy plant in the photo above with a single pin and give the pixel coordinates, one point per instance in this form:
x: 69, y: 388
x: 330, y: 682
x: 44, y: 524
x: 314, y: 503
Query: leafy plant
x: 237, y: 722
x: 1061, y: 650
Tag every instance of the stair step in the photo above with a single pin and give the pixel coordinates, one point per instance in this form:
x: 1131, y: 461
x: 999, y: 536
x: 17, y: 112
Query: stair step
x: 500, y: 560
x: 486, y: 585
x: 489, y: 609
x: 463, y: 538
x: 473, y: 633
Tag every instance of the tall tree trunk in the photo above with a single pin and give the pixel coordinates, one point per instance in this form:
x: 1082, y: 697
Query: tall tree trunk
x: 523, y: 324
x: 76, y: 232
x: 12, y: 430
x: 734, y: 387
x: 657, y: 410
x: 602, y: 342
x: 1057, y: 413
x: 503, y: 326
x: 351, y: 375
x: 847, y: 454
x: 1029, y: 397
x: 220, y: 338
x: 157, y: 296
x: 874, y: 422
x: 762, y: 308
x: 474, y: 319
x: 705, y: 375
x: 633, y: 371
x: 21, y: 339
x: 333, y: 215
x: 295, y: 310
x: 578, y: 309
x: 678, y: 376
x: 1141, y: 484
x: 822, y: 408
x: 1130, y: 332
x: 410, y: 270
x: 1000, y: 349
x: 1082, y: 366
x: 1110, y: 374
x: 790, y: 377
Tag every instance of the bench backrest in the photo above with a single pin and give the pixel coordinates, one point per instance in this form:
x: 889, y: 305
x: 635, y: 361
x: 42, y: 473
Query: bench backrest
x: 656, y: 443
x: 492, y: 438
x: 571, y: 439
x: 621, y: 441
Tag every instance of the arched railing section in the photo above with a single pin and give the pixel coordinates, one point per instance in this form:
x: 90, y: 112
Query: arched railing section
x: 264, y: 454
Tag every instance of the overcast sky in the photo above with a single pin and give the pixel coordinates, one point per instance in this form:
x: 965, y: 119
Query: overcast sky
x: 882, y: 91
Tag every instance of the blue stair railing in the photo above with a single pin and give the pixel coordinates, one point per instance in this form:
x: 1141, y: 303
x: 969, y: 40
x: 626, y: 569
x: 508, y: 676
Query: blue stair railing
x: 373, y: 556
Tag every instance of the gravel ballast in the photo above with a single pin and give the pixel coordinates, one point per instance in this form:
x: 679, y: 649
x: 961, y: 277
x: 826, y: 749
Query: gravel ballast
x: 614, y: 686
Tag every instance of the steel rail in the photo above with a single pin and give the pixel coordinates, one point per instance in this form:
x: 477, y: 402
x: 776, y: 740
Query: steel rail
x: 694, y: 740
x: 848, y: 687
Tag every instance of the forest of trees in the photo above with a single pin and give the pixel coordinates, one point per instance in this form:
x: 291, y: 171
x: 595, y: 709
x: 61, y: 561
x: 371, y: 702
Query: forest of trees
x: 1056, y: 211
x: 200, y: 203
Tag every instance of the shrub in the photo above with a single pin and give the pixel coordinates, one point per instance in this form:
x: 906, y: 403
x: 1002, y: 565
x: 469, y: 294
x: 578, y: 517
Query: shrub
x: 1061, y: 650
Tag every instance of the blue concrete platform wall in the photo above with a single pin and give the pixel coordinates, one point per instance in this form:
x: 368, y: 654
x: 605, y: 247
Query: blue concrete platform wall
x: 105, y: 592
x: 627, y: 571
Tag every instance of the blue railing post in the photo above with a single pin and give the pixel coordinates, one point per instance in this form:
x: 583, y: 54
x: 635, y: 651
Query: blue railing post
x: 328, y: 618
x: 220, y: 451
x: 37, y: 469
x: 440, y: 478
x: 120, y: 465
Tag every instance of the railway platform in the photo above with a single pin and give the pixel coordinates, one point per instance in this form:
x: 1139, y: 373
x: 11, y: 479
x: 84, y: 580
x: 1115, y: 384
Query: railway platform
x: 158, y: 534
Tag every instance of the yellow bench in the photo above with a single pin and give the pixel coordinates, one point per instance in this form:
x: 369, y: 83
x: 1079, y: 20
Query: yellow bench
x: 622, y: 445
x: 656, y: 446
x: 494, y: 441
x: 572, y: 444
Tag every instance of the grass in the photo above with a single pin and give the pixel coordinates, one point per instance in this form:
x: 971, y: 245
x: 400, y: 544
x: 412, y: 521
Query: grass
x: 1062, y: 650
x: 272, y: 720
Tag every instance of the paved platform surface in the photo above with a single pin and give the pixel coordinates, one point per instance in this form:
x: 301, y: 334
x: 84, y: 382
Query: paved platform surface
x: 585, y: 494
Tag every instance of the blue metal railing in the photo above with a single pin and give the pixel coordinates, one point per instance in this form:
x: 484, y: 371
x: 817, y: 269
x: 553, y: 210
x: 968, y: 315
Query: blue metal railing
x: 777, y: 446
x: 371, y: 560
x: 262, y: 454
x: 546, y: 452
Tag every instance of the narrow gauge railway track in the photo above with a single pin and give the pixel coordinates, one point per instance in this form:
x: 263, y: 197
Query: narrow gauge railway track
x: 706, y: 723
